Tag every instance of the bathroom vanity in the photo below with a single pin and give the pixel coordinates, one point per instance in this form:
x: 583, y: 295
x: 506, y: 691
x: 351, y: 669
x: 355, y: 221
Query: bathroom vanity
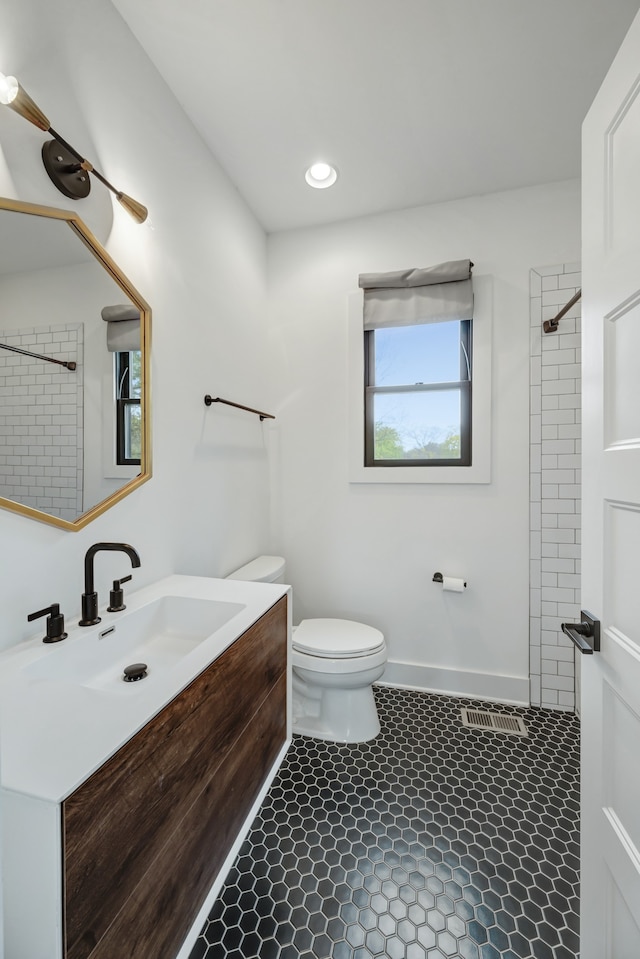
x: 122, y: 803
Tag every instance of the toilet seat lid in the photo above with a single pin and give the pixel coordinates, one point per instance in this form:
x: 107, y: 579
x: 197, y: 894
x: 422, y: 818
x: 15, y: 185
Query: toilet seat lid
x: 336, y: 638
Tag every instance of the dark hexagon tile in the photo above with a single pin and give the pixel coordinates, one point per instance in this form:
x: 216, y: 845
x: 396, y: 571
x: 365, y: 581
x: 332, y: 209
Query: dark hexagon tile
x: 519, y: 946
x: 200, y: 948
x: 477, y: 931
x: 398, y: 909
x: 374, y: 942
x: 485, y: 915
x: 436, y: 920
x: 355, y: 935
x: 468, y: 949
x: 395, y: 948
x: 447, y: 944
x: 464, y: 909
x: 269, y: 949
x: 541, y: 950
x: 322, y: 946
x: 498, y: 938
x: 341, y: 950
x: 361, y: 898
x: 455, y: 842
x: 302, y: 939
x: 426, y: 937
x: 489, y: 952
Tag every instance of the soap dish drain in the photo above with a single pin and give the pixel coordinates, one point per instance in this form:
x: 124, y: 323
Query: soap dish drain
x: 135, y: 672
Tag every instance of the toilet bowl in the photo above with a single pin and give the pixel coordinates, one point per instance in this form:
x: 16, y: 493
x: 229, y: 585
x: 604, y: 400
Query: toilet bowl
x: 334, y: 663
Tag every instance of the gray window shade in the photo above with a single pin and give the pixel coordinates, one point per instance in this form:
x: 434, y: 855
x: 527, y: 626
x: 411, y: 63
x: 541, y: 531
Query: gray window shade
x: 430, y: 295
x: 123, y: 327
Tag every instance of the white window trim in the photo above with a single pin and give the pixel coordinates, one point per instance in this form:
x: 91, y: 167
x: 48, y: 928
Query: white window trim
x: 480, y: 470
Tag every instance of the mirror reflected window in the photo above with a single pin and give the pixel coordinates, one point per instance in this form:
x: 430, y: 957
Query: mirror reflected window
x: 128, y: 411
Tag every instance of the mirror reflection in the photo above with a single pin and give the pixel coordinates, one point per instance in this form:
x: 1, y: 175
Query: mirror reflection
x: 73, y: 370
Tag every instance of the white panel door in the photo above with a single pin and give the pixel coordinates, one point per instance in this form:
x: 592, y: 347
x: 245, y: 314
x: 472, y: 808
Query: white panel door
x: 610, y: 910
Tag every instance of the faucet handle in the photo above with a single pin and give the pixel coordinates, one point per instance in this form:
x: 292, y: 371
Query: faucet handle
x: 55, y: 623
x: 116, y: 595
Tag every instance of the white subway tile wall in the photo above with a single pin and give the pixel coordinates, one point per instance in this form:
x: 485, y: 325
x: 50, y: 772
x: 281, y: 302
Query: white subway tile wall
x: 554, y: 437
x: 41, y: 442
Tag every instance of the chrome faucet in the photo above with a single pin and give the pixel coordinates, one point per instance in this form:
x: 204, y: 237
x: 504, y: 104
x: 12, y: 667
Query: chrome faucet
x: 90, y: 596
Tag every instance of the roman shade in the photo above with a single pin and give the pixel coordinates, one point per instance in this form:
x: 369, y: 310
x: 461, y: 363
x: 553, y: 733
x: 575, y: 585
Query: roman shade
x: 429, y: 295
x: 123, y: 327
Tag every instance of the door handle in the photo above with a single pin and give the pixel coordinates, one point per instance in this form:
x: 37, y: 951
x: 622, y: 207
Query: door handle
x: 585, y: 634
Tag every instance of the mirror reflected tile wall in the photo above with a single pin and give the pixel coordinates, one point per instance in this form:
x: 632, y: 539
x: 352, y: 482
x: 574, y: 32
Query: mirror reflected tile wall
x: 555, y: 500
x: 41, y: 414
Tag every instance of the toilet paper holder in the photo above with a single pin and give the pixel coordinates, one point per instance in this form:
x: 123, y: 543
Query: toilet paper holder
x: 439, y: 578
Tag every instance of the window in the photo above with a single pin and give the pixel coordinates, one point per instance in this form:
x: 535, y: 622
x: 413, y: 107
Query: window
x: 424, y: 376
x: 418, y: 395
x: 128, y: 377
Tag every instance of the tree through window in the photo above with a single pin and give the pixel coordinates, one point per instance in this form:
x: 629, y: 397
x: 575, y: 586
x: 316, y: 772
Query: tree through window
x: 418, y: 395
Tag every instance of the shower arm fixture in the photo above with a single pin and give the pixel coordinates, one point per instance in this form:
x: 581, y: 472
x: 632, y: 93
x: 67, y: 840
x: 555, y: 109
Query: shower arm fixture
x: 551, y: 326
x: 68, y: 170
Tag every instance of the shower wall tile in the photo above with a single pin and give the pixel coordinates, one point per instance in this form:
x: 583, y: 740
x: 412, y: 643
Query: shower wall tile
x: 555, y: 435
x: 41, y: 445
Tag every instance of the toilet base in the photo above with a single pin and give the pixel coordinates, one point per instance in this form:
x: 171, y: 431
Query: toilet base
x: 337, y: 715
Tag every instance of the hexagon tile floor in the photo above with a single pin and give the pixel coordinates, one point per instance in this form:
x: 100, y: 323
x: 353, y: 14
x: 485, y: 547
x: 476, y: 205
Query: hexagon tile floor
x: 433, y: 841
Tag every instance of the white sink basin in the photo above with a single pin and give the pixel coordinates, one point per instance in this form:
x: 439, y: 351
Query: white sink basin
x: 158, y: 634
x: 66, y: 706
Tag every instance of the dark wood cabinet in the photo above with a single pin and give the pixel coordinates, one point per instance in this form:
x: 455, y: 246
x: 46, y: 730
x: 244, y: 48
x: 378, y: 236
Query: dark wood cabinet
x: 145, y: 836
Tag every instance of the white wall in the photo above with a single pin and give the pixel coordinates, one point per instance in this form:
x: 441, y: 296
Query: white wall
x: 201, y: 266
x: 369, y: 552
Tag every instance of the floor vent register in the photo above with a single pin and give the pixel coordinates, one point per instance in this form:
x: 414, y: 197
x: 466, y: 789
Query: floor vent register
x: 494, y: 722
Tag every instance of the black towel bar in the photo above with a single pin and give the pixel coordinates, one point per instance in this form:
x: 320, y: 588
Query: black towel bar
x: 208, y: 400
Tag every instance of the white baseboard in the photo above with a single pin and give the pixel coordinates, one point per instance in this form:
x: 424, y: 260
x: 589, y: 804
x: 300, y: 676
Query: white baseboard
x: 492, y: 687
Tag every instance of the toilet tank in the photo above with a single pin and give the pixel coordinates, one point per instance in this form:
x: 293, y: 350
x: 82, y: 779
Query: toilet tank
x: 263, y: 569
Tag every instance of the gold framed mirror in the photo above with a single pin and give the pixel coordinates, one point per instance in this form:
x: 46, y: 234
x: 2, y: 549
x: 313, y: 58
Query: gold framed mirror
x: 75, y: 342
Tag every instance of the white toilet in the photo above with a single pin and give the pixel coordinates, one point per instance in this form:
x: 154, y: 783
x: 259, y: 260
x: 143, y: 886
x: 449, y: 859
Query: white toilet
x: 334, y: 663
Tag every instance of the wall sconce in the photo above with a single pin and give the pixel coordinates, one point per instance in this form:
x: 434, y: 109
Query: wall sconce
x: 67, y: 169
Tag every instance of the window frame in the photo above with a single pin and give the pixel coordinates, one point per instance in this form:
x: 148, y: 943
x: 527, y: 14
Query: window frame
x: 464, y: 385
x: 480, y: 470
x: 123, y: 402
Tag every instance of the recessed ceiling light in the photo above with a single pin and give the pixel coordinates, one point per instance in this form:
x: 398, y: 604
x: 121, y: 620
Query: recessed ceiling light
x: 321, y: 175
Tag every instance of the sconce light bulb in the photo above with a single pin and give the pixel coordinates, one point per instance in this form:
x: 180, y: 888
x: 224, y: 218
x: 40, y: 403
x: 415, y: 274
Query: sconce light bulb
x: 9, y: 87
x: 133, y: 208
x: 13, y: 96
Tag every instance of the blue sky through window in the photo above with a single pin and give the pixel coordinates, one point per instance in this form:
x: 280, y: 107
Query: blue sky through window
x: 407, y: 355
x: 428, y: 353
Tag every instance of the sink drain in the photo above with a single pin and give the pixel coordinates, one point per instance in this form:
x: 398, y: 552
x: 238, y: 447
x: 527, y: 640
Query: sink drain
x: 135, y: 672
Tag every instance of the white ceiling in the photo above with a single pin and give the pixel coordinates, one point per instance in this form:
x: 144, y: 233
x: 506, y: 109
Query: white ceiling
x: 414, y: 101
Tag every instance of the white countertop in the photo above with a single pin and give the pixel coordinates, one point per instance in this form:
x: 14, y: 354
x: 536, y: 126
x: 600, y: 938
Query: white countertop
x: 55, y: 733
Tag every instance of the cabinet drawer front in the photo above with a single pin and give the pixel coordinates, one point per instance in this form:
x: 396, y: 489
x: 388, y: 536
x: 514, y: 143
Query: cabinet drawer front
x: 116, y: 825
x: 160, y: 911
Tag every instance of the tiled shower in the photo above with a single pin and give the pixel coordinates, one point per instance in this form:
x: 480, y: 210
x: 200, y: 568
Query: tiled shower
x: 555, y: 435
